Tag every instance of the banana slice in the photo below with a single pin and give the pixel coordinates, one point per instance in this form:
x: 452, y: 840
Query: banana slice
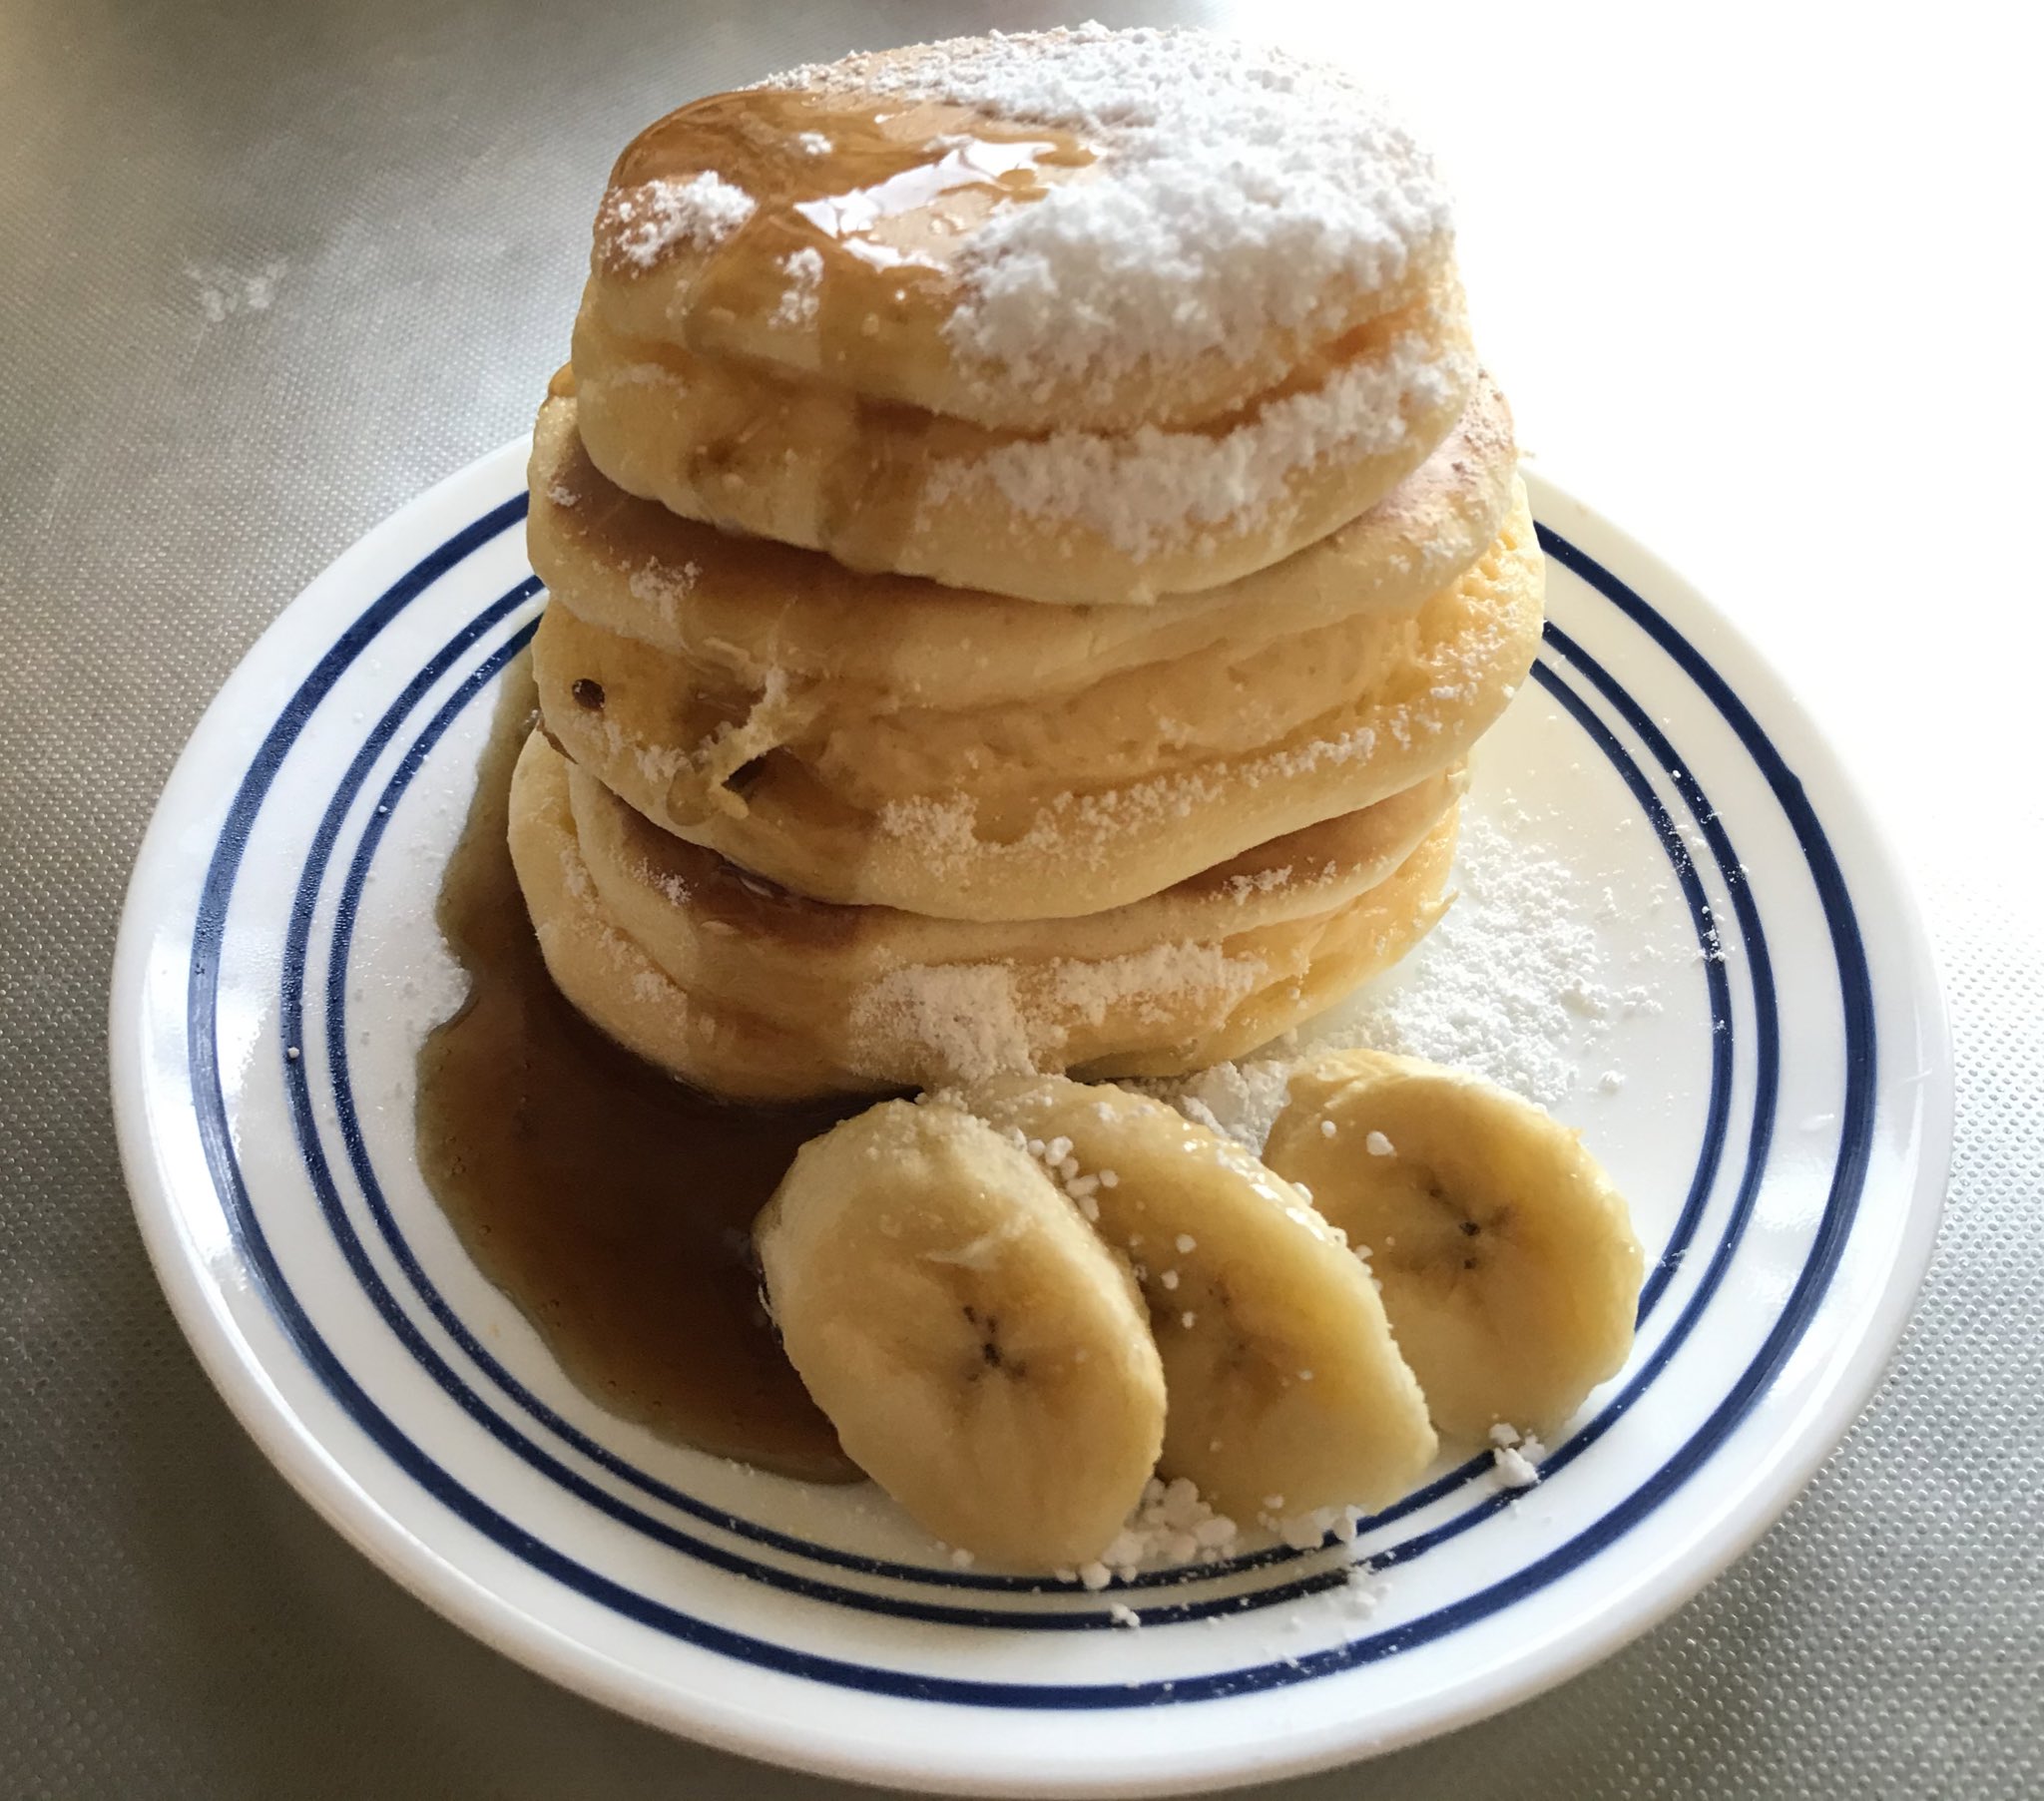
x: 983, y: 1356
x: 1286, y: 1390
x: 1507, y: 1260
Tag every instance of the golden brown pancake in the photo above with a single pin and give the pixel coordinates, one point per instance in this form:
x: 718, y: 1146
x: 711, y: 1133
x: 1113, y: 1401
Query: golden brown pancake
x: 746, y: 990
x: 1069, y: 517
x: 1069, y: 229
x: 1085, y: 801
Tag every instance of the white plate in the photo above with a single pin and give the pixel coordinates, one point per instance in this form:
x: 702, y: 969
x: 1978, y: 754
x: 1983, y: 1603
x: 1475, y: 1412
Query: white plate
x: 1783, y: 1130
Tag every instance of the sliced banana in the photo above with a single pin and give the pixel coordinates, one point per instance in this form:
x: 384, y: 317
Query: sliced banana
x: 1507, y: 1260
x: 1286, y: 1393
x: 983, y: 1356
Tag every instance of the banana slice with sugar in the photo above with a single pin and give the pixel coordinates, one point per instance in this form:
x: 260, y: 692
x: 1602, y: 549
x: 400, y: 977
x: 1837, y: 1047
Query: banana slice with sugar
x: 1286, y: 1390
x: 983, y: 1356
x: 1507, y: 1260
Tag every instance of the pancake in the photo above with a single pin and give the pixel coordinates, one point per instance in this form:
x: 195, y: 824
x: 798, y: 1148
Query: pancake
x: 1083, y: 229
x: 614, y: 984
x: 722, y: 931
x: 742, y: 607
x: 753, y: 993
x: 1072, y: 806
x: 1072, y: 516
x: 702, y: 734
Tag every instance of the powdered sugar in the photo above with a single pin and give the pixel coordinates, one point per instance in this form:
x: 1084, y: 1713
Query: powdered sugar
x: 805, y: 272
x: 1491, y: 989
x: 1171, y: 1524
x: 1173, y: 1527
x: 1241, y: 888
x: 944, y: 827
x: 965, y: 1022
x: 1238, y: 1100
x: 1503, y: 987
x: 1164, y: 971
x: 639, y: 225
x: 1236, y: 188
x: 1152, y: 489
x: 1093, y: 827
x: 963, y: 1017
x: 1514, y: 1458
x: 662, y: 585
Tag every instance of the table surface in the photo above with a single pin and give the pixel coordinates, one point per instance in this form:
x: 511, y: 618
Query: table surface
x: 1760, y: 285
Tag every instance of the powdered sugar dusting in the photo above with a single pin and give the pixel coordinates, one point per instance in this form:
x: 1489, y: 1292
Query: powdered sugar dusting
x: 639, y: 225
x: 1241, y: 1101
x: 805, y: 272
x: 1142, y: 980
x: 1173, y: 1527
x: 662, y: 585
x: 1493, y: 993
x: 1515, y: 1457
x: 1502, y: 988
x: 1153, y: 488
x: 1241, y: 888
x: 1094, y: 826
x: 939, y: 826
x: 1172, y: 1523
x: 964, y: 1017
x: 966, y: 1022
x: 1238, y: 188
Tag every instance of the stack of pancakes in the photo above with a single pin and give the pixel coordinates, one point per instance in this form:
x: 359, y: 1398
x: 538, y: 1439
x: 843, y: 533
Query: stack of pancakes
x: 1030, y: 551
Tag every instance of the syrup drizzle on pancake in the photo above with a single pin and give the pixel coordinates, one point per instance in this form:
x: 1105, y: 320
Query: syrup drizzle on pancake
x: 856, y: 210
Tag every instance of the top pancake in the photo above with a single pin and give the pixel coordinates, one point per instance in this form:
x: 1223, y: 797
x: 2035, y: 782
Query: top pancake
x: 1082, y: 228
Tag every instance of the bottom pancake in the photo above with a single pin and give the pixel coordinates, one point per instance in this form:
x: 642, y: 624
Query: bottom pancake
x: 748, y: 991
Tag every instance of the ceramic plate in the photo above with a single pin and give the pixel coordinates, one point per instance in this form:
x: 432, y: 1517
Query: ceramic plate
x: 1778, y: 1105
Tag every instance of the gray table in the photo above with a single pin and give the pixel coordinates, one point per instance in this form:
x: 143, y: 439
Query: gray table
x: 266, y: 270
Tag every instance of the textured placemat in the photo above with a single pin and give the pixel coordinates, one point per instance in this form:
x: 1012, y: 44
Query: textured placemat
x: 265, y: 272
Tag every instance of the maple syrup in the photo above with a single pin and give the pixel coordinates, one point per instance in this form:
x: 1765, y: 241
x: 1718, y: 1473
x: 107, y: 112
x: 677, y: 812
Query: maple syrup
x: 611, y: 1202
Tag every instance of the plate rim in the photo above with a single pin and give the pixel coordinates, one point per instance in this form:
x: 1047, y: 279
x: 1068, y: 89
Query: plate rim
x: 321, y: 1476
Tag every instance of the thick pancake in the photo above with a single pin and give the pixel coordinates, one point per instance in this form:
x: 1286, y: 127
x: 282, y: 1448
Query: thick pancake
x: 1004, y: 814
x: 1070, y: 229
x: 722, y: 931
x: 1070, y: 517
x: 757, y: 995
